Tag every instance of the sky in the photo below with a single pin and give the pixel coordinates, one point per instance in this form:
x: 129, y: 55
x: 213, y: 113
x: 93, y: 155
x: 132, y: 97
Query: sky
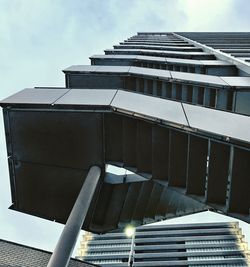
x: 39, y: 38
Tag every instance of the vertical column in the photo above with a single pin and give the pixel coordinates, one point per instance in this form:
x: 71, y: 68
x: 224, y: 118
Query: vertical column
x: 66, y: 243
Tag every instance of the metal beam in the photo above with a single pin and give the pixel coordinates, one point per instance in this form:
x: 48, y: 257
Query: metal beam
x: 67, y: 240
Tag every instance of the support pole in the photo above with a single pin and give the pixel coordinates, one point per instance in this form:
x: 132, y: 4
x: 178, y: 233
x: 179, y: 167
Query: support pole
x: 67, y: 240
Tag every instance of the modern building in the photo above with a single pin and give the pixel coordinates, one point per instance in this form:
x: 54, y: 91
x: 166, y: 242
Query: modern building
x: 173, y: 108
x: 205, y: 244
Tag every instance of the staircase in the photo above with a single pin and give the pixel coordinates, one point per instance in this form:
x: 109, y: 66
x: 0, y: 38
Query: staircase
x: 182, y: 134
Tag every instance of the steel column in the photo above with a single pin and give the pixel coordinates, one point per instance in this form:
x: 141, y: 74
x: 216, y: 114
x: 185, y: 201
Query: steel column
x: 67, y: 240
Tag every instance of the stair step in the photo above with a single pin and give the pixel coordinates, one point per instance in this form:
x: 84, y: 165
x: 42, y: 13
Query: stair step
x: 197, y: 164
x: 163, y: 207
x: 174, y: 202
x: 153, y: 202
x: 144, y: 147
x: 142, y: 201
x: 113, y: 137
x: 129, y: 203
x: 160, y: 153
x: 115, y: 205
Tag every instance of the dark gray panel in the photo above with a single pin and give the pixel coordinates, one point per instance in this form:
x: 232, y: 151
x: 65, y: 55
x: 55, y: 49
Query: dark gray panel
x: 240, y: 184
x: 218, y: 173
x: 150, y: 106
x: 94, y: 81
x: 113, y: 137
x: 87, y: 97
x: 144, y: 147
x: 102, y: 204
x: 47, y: 191
x: 178, y: 159
x: 160, y: 150
x: 57, y: 138
x: 129, y: 141
x: 130, y: 83
x: 218, y: 122
x: 35, y: 96
x: 197, y: 161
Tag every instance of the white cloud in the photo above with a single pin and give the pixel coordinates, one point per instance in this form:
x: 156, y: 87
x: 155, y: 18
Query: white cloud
x: 39, y: 38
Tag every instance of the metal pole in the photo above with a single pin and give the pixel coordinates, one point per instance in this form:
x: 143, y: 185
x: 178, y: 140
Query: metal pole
x: 131, y: 253
x: 67, y: 240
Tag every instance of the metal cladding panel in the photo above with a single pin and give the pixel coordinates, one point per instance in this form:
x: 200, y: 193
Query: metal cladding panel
x: 240, y: 183
x: 144, y: 147
x: 184, y: 61
x: 101, y: 56
x: 237, y: 81
x: 216, y: 63
x: 87, y: 97
x: 197, y: 161
x: 160, y: 153
x: 242, y: 104
x: 47, y: 191
x: 157, y: 73
x: 218, y: 173
x: 94, y: 80
x: 199, y: 78
x: 113, y: 137
x: 81, y: 68
x: 113, y: 69
x: 159, y: 52
x: 157, y: 47
x: 72, y: 140
x: 150, y: 106
x: 151, y: 58
x: 114, y: 57
x: 178, y: 159
x: 129, y: 141
x: 218, y: 122
x: 101, y: 206
x: 35, y: 96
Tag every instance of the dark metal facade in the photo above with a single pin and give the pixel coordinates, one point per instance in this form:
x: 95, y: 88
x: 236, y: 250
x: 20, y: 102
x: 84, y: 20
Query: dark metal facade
x: 206, y: 244
x: 176, y: 116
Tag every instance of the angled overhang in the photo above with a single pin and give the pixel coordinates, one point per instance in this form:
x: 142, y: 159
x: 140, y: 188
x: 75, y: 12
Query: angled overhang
x: 55, y: 135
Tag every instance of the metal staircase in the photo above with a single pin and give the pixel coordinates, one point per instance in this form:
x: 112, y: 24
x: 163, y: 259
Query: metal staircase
x: 186, y: 156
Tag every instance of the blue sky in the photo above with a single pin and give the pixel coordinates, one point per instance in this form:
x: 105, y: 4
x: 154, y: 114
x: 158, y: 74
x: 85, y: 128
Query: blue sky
x: 39, y: 38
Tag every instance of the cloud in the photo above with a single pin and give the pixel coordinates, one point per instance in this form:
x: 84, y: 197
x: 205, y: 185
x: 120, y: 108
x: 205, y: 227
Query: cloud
x: 39, y: 38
